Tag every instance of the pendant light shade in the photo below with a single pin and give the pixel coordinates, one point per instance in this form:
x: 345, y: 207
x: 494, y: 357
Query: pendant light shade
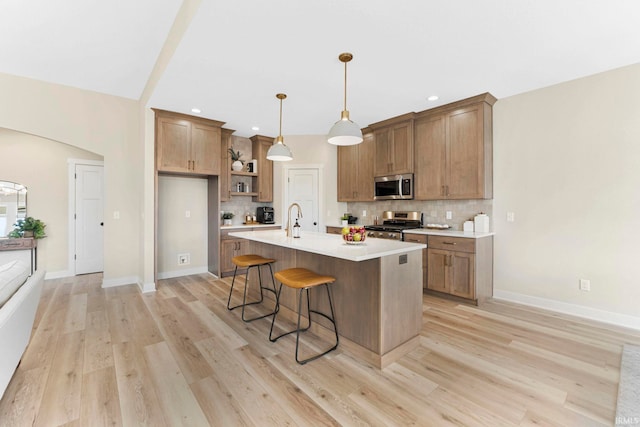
x: 344, y: 131
x: 279, y: 152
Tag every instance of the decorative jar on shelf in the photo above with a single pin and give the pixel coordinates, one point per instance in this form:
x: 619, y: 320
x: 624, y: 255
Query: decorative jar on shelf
x: 236, y: 166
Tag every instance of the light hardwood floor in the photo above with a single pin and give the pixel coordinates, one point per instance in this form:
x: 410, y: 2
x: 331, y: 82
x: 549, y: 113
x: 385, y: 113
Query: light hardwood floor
x: 178, y: 357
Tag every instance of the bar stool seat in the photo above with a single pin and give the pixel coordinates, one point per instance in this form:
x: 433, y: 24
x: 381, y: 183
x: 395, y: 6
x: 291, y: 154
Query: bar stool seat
x: 248, y: 262
x: 302, y: 279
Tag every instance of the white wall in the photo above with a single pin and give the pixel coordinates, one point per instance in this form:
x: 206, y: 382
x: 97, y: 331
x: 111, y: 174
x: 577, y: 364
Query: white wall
x: 310, y: 150
x: 567, y: 163
x: 177, y: 233
x: 102, y: 124
x: 41, y: 165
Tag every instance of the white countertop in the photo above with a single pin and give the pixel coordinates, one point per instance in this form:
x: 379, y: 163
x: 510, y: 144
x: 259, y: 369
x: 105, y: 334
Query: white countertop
x: 241, y: 226
x: 448, y: 233
x: 331, y: 244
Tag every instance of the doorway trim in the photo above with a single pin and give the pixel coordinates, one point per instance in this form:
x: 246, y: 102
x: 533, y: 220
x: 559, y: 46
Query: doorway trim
x: 71, y: 237
x: 285, y: 190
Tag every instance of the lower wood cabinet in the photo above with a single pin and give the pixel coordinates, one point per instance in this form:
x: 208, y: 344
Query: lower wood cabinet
x: 461, y: 267
x: 231, y: 246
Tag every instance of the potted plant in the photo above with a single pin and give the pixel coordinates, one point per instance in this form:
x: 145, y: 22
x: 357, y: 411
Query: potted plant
x: 227, y: 217
x: 235, y: 156
x: 28, y: 227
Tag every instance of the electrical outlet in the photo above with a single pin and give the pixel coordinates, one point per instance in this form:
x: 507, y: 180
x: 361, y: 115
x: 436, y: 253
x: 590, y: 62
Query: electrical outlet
x: 585, y: 285
x: 449, y: 214
x: 364, y: 213
x: 187, y: 214
x: 184, y: 259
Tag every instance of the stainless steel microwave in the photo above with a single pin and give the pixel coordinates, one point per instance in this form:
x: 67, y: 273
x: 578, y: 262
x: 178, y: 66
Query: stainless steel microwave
x: 392, y: 187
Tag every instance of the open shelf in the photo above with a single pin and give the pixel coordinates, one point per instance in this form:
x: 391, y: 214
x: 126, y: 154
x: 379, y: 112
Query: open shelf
x: 235, y: 193
x: 241, y: 173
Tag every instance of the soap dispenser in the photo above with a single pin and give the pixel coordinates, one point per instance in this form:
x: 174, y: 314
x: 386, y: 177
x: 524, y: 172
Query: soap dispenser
x: 296, y: 229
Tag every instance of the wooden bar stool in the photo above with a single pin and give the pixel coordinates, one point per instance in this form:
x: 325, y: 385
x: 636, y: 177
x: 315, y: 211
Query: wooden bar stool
x: 248, y: 262
x: 303, y: 280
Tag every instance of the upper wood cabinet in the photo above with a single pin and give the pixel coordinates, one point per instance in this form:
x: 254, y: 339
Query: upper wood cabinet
x: 263, y: 183
x: 393, y: 145
x: 355, y: 170
x: 187, y: 144
x: 453, y: 150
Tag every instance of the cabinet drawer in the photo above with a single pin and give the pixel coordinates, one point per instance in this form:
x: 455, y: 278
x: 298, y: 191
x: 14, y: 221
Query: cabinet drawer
x: 415, y: 238
x: 459, y: 244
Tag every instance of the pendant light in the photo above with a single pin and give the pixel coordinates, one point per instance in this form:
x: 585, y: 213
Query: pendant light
x: 279, y: 152
x: 344, y: 131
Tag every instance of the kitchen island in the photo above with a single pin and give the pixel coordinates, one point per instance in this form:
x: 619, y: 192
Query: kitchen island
x: 377, y: 294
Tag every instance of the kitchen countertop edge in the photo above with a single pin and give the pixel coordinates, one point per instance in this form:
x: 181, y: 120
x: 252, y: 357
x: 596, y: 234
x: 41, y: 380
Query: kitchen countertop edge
x: 243, y: 226
x: 331, y: 245
x: 448, y: 233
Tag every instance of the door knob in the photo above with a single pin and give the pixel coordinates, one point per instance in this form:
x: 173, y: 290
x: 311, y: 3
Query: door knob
x: 101, y: 224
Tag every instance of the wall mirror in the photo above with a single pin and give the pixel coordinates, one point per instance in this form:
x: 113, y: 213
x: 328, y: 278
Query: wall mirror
x: 13, y: 205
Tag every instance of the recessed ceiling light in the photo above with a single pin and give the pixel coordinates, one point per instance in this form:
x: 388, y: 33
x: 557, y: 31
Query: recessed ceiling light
x: 432, y: 98
x: 196, y: 110
x: 256, y: 128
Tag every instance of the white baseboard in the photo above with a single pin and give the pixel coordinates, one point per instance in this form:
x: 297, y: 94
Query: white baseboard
x: 147, y: 287
x: 572, y: 309
x: 179, y: 273
x: 120, y: 281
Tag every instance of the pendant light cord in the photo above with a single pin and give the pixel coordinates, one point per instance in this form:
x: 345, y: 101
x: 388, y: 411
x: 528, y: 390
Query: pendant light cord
x: 345, y: 86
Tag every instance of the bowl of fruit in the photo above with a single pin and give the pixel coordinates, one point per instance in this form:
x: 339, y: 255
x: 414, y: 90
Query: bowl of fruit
x: 354, y: 235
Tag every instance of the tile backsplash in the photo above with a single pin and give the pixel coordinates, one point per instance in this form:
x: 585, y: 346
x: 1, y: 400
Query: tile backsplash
x: 433, y: 211
x: 241, y: 206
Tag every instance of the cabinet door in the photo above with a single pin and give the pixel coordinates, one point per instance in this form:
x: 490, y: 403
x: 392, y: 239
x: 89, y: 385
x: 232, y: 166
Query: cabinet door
x: 228, y: 248
x: 462, y: 274
x: 402, y: 148
x: 364, y: 160
x: 383, y: 148
x: 173, y: 145
x: 430, y: 158
x: 465, y: 156
x: 205, y: 149
x: 348, y: 173
x: 437, y: 261
x: 264, y: 181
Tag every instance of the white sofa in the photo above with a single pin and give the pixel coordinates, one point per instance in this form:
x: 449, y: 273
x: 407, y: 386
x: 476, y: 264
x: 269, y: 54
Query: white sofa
x: 17, y: 314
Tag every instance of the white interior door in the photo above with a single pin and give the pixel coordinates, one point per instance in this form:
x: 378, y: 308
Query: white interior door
x: 302, y: 188
x: 89, y: 256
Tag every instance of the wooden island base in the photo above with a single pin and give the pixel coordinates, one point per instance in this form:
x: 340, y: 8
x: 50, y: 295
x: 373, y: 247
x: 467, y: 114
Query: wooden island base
x: 377, y: 302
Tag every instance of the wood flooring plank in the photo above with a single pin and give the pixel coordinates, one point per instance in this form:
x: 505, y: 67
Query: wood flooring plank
x: 98, y: 352
x: 260, y: 406
x: 177, y: 403
x: 331, y: 396
x: 299, y: 406
x: 62, y: 394
x: 76, y: 314
x: 100, y: 406
x: 139, y: 403
x: 219, y: 406
x: 21, y: 401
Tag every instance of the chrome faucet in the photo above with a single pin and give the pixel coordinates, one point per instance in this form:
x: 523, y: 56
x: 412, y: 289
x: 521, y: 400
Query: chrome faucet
x: 289, y: 216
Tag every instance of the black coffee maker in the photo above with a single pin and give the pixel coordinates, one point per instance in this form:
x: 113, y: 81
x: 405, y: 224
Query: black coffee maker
x: 264, y: 215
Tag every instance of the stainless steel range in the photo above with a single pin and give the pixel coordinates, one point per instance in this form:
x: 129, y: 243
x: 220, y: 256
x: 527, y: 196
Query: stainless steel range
x: 393, y: 223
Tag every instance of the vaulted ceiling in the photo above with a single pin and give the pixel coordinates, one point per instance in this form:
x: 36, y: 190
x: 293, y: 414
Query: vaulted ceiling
x: 236, y: 55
